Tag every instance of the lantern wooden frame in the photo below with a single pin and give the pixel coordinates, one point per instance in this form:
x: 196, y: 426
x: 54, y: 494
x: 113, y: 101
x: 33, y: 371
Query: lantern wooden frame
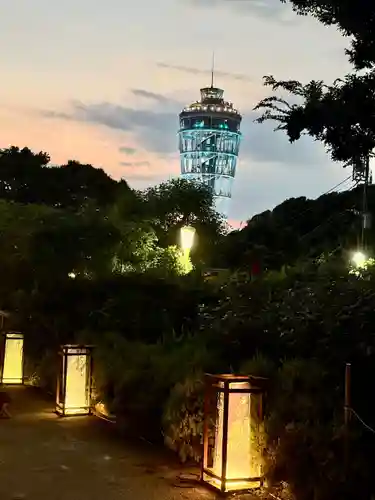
x: 6, y: 339
x: 66, y: 353
x: 217, y: 386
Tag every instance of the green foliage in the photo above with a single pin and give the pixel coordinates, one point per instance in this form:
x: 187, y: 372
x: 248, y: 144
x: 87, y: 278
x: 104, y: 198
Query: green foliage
x: 183, y: 418
x: 42, y: 371
x: 183, y: 412
x: 135, y: 379
x: 76, y: 258
x: 297, y: 231
x: 302, y: 326
x: 258, y: 366
x: 306, y: 439
x: 353, y: 20
x: 109, y: 249
x: 27, y: 177
x: 341, y: 115
x: 338, y: 115
x: 179, y: 203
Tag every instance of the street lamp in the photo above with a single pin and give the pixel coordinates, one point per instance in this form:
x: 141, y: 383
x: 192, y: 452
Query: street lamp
x: 233, y: 433
x: 187, y: 237
x: 359, y: 259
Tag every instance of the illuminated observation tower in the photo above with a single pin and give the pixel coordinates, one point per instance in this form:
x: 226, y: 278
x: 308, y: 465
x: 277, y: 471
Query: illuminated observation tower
x: 209, y: 141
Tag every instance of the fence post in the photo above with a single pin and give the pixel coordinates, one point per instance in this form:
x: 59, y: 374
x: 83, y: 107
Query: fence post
x: 347, y: 413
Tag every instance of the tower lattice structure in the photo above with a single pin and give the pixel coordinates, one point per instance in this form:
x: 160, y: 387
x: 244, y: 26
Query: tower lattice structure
x: 209, y: 142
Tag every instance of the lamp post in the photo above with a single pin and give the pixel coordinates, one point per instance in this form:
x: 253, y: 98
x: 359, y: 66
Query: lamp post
x: 359, y: 259
x: 12, y: 358
x: 187, y: 237
x: 74, y: 381
x: 232, y: 433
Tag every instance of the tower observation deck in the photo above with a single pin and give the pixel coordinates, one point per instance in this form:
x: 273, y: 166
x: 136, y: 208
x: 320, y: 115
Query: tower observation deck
x: 209, y: 141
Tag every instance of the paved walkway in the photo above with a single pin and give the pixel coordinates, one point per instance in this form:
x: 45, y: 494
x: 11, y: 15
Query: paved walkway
x: 44, y: 457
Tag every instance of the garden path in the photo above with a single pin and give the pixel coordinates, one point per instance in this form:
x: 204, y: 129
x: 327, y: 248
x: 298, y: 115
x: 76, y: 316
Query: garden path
x: 44, y: 457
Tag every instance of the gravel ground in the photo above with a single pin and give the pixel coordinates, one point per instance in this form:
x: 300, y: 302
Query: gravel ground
x: 44, y: 457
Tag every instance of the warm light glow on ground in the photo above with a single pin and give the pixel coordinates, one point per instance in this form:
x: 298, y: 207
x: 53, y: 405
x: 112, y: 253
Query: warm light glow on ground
x: 13, y: 359
x: 76, y: 399
x: 102, y: 409
x: 232, y: 486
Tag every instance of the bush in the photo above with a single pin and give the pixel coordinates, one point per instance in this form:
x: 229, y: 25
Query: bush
x: 258, y: 366
x: 42, y: 372
x: 309, y: 458
x: 183, y: 411
x: 134, y: 380
x: 183, y: 418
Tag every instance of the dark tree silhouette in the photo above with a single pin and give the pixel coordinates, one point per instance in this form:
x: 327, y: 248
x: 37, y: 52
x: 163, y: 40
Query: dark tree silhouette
x: 27, y: 177
x: 341, y: 114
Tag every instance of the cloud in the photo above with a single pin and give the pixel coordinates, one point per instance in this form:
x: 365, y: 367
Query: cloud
x: 270, y: 169
x: 267, y: 9
x: 144, y: 181
x: 143, y: 174
x: 198, y: 71
x: 155, y: 131
x: 127, y: 150
x: 159, y: 98
x: 135, y: 163
x: 48, y: 113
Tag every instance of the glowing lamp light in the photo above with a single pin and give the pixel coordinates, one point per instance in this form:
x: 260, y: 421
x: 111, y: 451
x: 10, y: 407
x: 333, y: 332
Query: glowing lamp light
x: 359, y: 259
x: 74, y: 381
x: 12, y: 358
x: 187, y: 238
x: 232, y: 434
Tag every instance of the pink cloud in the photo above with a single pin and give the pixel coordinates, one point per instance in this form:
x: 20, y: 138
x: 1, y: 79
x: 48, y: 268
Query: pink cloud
x: 150, y: 170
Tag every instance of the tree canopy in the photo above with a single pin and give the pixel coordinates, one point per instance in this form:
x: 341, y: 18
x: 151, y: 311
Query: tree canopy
x: 296, y: 231
x: 340, y: 114
x: 354, y: 19
x: 82, y: 264
x: 28, y: 177
x: 75, y: 229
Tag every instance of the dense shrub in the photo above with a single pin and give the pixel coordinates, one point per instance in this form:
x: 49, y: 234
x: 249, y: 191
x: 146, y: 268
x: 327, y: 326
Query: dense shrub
x: 183, y: 411
x: 43, y: 372
x: 183, y: 418
x: 134, y: 379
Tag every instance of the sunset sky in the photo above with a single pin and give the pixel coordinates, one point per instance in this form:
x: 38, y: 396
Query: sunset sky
x: 103, y: 83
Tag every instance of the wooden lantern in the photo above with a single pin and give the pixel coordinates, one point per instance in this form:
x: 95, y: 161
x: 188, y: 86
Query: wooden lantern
x: 232, y: 435
x: 74, y: 380
x: 12, y: 359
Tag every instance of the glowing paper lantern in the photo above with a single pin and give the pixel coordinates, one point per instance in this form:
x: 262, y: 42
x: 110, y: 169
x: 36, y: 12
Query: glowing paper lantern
x: 232, y: 436
x: 74, y: 381
x: 12, y: 358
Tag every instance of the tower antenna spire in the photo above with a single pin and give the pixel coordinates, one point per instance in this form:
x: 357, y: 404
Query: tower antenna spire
x: 212, y: 69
